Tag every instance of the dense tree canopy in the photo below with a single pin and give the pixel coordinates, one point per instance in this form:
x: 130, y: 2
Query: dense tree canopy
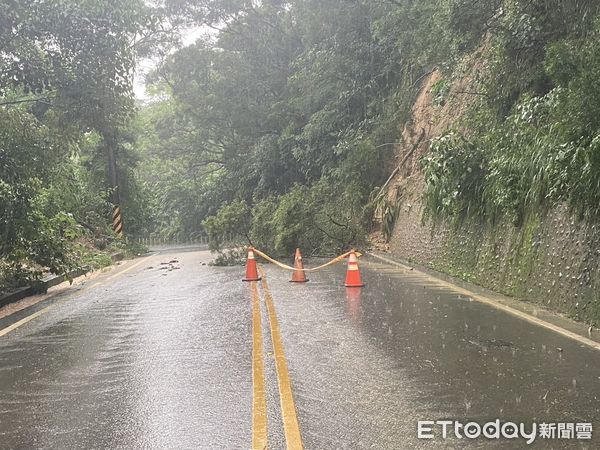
x: 292, y: 106
x: 278, y: 123
x: 65, y: 79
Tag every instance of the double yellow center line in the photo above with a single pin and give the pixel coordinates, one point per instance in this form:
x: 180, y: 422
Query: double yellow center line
x: 291, y: 426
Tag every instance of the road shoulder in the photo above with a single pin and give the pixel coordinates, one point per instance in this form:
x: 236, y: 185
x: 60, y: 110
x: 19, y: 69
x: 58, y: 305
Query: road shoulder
x: 18, y: 311
x: 529, y: 312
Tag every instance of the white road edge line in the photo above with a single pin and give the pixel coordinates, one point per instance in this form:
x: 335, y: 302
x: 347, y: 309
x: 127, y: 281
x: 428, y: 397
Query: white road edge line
x: 29, y: 318
x: 495, y: 304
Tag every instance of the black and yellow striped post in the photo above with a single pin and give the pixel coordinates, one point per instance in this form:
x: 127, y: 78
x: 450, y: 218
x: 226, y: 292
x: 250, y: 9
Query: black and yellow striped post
x: 111, y: 143
x: 117, y: 221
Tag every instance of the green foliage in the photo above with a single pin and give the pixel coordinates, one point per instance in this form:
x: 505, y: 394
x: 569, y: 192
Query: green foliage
x: 289, y: 106
x: 439, y: 92
x: 232, y: 219
x: 545, y: 152
x: 294, y: 221
x: 325, y: 218
x: 289, y: 102
x: 523, y: 33
x: 92, y: 260
x: 453, y: 173
x: 276, y: 127
x: 54, y: 250
x: 263, y: 223
x: 65, y: 85
x: 320, y: 219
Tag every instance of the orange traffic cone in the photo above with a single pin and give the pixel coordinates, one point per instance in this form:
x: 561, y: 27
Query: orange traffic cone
x: 251, y: 269
x: 298, y: 276
x: 353, y: 274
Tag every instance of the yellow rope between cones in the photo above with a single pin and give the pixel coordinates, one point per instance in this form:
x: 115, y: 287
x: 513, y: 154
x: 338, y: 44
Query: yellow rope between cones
x: 313, y: 269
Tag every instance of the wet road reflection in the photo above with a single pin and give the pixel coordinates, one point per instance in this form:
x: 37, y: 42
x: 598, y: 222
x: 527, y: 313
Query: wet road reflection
x: 161, y: 357
x: 368, y: 365
x: 154, y: 359
x: 353, y: 299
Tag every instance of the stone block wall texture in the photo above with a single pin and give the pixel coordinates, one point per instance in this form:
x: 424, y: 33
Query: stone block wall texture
x: 551, y: 260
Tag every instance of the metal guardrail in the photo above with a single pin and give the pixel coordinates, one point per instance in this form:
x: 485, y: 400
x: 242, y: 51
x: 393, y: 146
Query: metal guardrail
x: 42, y: 286
x: 156, y: 241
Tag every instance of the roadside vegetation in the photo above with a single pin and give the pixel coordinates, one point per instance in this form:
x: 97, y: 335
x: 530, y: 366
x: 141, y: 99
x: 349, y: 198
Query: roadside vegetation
x: 278, y: 123
x: 65, y: 96
x: 532, y: 139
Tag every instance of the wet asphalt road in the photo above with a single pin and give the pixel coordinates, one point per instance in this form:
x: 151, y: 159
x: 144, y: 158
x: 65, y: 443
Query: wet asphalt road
x: 160, y: 356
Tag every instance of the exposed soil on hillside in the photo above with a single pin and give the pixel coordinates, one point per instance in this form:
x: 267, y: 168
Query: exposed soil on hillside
x: 431, y: 118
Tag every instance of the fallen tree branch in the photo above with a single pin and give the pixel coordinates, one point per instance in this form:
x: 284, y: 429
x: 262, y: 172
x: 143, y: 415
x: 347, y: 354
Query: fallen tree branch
x: 397, y: 169
x: 483, y: 94
x: 423, y: 76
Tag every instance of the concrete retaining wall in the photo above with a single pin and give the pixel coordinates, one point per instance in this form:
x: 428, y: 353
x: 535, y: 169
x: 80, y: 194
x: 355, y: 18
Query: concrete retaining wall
x: 553, y: 261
